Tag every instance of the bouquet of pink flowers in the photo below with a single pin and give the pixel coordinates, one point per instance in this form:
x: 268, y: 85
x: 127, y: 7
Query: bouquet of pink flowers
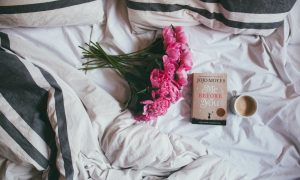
x: 155, y: 74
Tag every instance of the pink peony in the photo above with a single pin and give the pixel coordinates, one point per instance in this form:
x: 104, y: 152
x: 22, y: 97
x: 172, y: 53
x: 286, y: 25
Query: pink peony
x: 141, y: 117
x: 167, y: 31
x: 181, y: 76
x: 155, y: 108
x: 168, y: 91
x: 173, y: 52
x: 186, y: 59
x: 180, y: 36
x: 169, y: 40
x: 175, y: 45
x: 169, y: 66
x: 179, y: 29
x: 161, y: 93
x: 169, y: 36
x: 157, y: 77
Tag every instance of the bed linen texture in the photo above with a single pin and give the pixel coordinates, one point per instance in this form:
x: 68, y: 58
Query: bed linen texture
x: 107, y: 144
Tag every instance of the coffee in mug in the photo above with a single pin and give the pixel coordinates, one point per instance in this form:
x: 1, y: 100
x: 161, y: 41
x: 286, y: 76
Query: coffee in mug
x: 243, y: 105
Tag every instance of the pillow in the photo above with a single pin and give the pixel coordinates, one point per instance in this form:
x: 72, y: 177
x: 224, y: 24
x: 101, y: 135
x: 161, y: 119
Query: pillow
x: 40, y: 13
x: 260, y: 17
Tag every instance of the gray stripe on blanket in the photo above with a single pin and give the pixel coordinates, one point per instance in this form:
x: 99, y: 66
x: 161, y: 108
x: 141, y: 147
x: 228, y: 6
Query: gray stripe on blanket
x: 23, y: 142
x: 256, y: 6
x: 23, y: 94
x: 62, y: 124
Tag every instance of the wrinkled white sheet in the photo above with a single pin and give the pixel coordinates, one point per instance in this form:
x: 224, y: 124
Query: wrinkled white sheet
x: 265, y: 146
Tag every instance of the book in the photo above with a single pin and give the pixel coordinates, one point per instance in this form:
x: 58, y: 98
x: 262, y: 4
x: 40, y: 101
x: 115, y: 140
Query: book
x: 209, y: 98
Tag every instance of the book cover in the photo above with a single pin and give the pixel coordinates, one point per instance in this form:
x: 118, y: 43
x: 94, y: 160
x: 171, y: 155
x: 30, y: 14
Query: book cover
x: 209, y: 98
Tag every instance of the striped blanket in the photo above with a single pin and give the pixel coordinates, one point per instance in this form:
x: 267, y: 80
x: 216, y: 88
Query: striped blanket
x: 38, y: 120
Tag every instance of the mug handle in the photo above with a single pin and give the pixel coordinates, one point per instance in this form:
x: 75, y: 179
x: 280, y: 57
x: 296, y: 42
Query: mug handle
x: 232, y: 101
x: 234, y: 93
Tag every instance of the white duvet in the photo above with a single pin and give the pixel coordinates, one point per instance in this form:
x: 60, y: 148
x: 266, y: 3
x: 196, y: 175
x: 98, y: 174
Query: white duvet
x: 265, y: 146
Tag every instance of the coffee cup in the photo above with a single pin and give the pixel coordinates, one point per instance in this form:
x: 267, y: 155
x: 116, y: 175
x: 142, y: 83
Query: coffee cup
x: 243, y: 105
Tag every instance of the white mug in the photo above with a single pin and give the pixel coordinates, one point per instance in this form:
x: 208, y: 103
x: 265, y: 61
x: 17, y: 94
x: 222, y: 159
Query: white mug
x: 243, y: 105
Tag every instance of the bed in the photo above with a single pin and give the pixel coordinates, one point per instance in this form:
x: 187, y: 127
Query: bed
x: 59, y: 122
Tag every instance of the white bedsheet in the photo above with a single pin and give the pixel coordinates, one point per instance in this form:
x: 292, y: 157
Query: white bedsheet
x: 265, y: 146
